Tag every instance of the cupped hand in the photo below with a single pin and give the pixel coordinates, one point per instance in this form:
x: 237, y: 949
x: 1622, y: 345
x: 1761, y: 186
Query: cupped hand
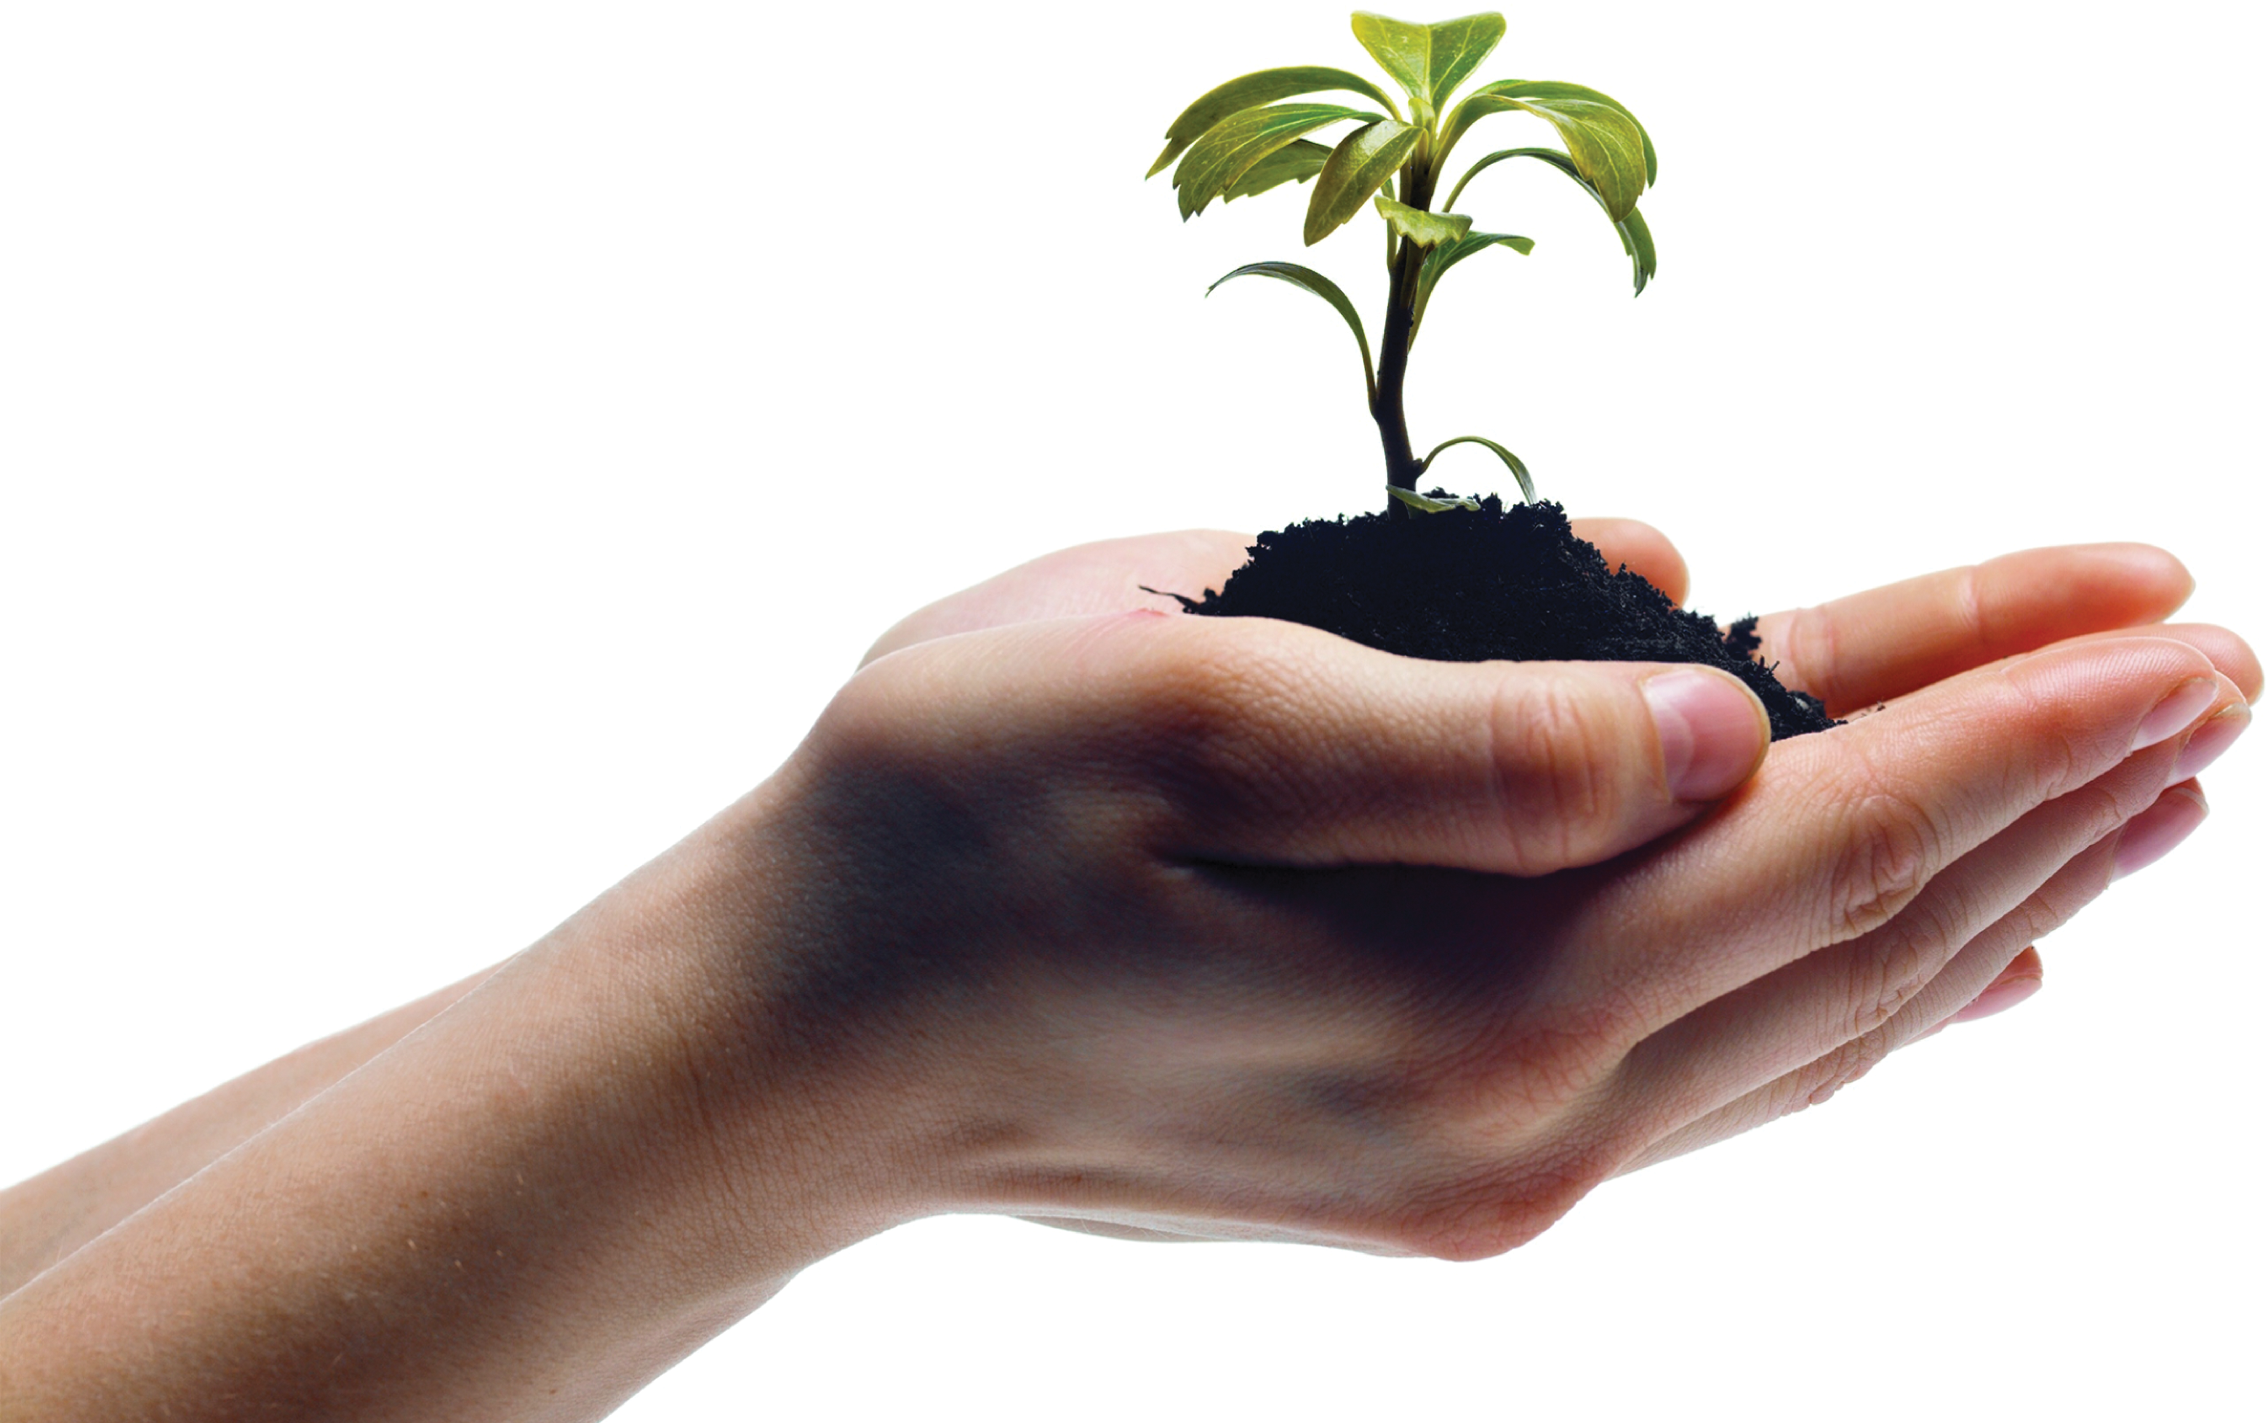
x: 1228, y: 928
x: 1852, y: 654
x: 1878, y: 646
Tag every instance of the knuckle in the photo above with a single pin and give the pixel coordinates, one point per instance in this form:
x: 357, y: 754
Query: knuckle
x: 1969, y: 609
x: 1808, y: 647
x: 2058, y: 900
x: 1192, y: 692
x: 1495, y: 1211
x: 864, y: 740
x: 1556, y: 771
x: 1889, y: 846
x: 2056, y: 761
x: 1892, y: 964
x: 1208, y: 714
x: 1518, y: 1077
x: 1817, y: 1084
x: 1887, y: 979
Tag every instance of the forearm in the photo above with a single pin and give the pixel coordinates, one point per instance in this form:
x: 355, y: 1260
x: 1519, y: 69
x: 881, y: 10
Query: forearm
x: 44, y: 1219
x: 594, y: 1161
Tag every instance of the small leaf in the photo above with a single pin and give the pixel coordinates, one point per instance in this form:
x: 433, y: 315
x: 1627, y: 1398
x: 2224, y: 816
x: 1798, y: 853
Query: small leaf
x: 1361, y: 163
x: 1428, y: 61
x: 1425, y: 229
x: 1458, y: 46
x: 1636, y: 238
x: 1555, y: 89
x: 1231, y: 148
x: 1308, y: 279
x: 1517, y: 465
x: 1446, y: 255
x: 1265, y: 87
x: 1551, y: 156
x: 1294, y: 164
x: 1608, y: 148
x: 1425, y: 503
x: 1401, y: 49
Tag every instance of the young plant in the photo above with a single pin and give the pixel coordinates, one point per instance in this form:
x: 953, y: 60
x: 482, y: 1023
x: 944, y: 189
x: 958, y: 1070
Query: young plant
x: 1240, y: 140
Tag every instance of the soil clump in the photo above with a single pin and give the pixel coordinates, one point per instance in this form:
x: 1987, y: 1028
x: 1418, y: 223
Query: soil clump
x: 1510, y: 583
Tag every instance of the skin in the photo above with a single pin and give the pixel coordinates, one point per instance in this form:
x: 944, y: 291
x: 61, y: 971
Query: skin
x: 1146, y: 924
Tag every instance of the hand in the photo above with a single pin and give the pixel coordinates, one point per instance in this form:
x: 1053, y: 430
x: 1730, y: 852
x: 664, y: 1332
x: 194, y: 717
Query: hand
x: 1872, y: 647
x: 1211, y: 927
x: 1224, y: 927
x: 1851, y: 654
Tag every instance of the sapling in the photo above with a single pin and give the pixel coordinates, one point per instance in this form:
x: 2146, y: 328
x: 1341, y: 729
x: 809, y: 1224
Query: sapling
x: 1241, y: 140
x: 1487, y: 580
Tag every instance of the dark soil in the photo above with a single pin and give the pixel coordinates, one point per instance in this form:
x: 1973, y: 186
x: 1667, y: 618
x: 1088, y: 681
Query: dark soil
x: 1497, y: 583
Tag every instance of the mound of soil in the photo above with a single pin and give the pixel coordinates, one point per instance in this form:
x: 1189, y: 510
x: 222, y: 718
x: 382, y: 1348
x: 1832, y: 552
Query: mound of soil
x: 1509, y: 583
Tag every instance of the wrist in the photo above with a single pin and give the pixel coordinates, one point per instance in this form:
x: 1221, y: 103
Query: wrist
x: 850, y: 1065
x: 811, y: 1086
x: 612, y: 1149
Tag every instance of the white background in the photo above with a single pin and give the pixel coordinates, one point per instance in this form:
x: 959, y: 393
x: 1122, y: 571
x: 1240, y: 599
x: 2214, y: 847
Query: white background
x: 446, y: 451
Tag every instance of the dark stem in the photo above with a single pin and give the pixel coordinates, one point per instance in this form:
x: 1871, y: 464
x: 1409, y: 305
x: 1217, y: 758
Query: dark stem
x: 1402, y: 468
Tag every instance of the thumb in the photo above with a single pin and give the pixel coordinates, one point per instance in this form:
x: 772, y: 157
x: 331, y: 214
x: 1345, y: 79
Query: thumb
x: 1265, y: 743
x: 1504, y: 768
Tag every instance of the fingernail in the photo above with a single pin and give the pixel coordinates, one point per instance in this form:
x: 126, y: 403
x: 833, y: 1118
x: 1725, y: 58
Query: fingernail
x: 2000, y: 996
x: 2174, y: 713
x: 1712, y: 731
x: 2154, y: 832
x: 2211, y: 741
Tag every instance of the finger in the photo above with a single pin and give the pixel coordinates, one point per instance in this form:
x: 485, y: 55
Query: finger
x: 2228, y: 652
x: 2001, y: 957
x: 1878, y: 645
x: 1520, y: 769
x: 1973, y: 970
x: 1811, y: 1007
x: 2160, y: 829
x: 1107, y: 577
x: 2017, y: 981
x: 1259, y: 742
x: 1313, y: 751
x: 1841, y: 831
x: 1640, y: 548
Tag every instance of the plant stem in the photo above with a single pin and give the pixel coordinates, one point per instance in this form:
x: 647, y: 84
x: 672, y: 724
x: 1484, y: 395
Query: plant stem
x: 1402, y: 468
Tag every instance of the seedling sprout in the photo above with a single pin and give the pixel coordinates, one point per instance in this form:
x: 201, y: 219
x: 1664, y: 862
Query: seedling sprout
x: 1240, y: 140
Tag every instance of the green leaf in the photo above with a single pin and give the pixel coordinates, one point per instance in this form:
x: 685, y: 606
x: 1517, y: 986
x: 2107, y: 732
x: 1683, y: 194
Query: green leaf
x: 1401, y: 49
x: 1249, y: 92
x: 1550, y: 156
x: 1232, y: 147
x: 1446, y: 255
x: 1294, y: 164
x: 1458, y: 46
x: 1428, y: 61
x: 1425, y: 503
x: 1608, y: 148
x: 1361, y: 164
x: 1425, y: 229
x: 1517, y: 465
x: 1306, y: 278
x: 1554, y: 89
x: 1636, y: 238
